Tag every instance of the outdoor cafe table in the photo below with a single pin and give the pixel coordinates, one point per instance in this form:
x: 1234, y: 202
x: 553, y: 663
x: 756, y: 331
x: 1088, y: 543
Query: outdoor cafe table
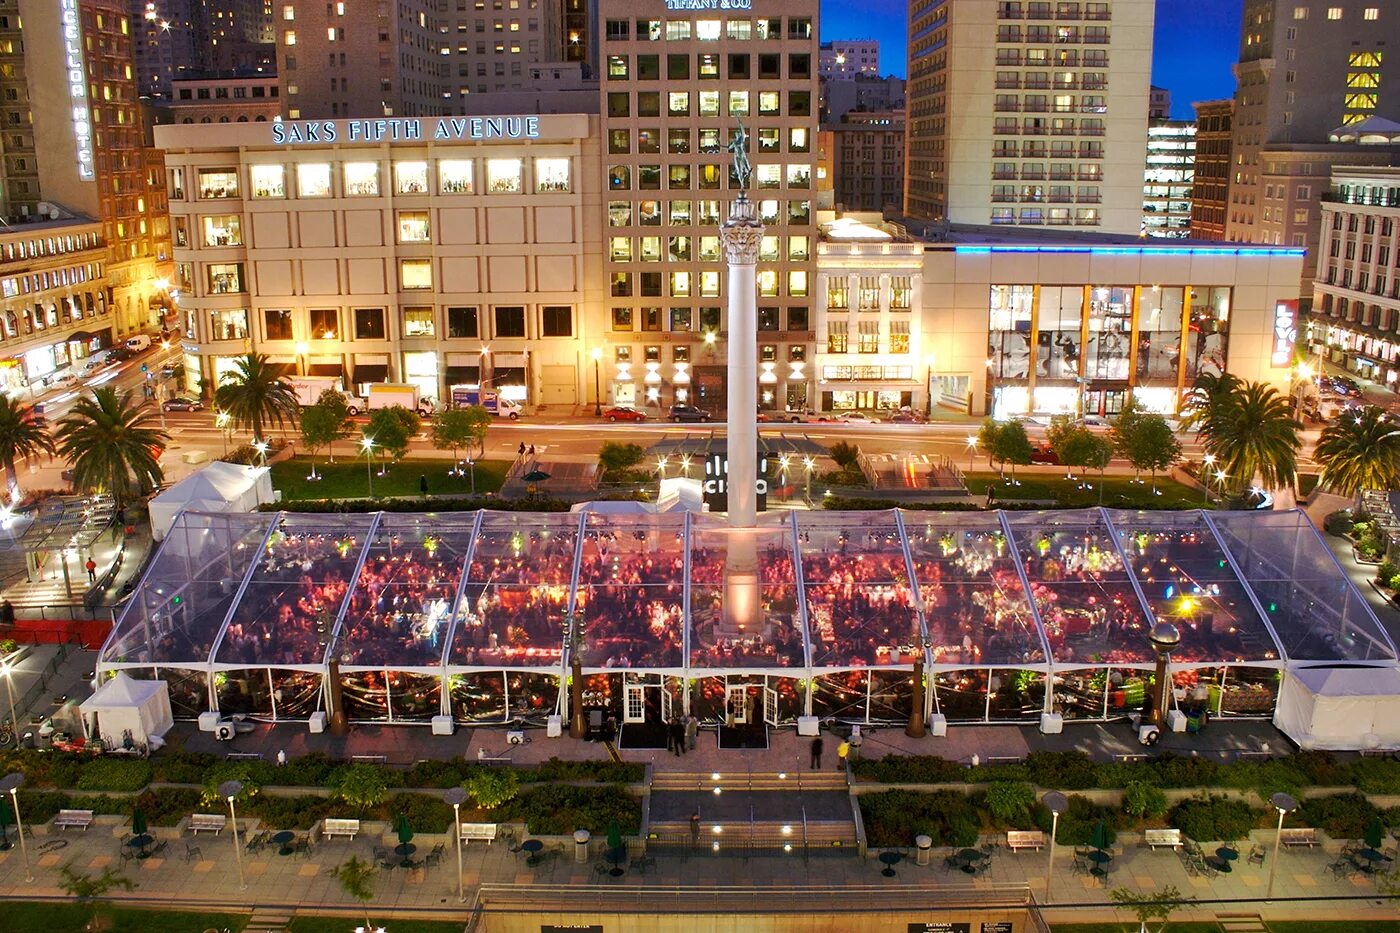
x: 532, y: 849
x: 1372, y: 858
x: 1224, y: 856
x: 404, y: 850
x: 139, y: 843
x: 283, y: 841
x: 890, y: 859
x: 969, y: 859
x: 615, y: 858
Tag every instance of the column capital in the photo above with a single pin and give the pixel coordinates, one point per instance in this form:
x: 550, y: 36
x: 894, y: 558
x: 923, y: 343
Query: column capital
x: 741, y: 242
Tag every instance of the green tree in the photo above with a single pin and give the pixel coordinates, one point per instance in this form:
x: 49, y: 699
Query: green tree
x: 21, y: 437
x: 1060, y: 427
x: 1148, y: 443
x: 846, y: 456
x: 1073, y: 447
x: 491, y: 787
x: 987, y: 436
x: 334, y: 402
x: 615, y: 459
x: 1009, y: 801
x: 1208, y: 401
x: 112, y: 442
x: 391, y: 429
x: 456, y: 428
x: 1098, y: 452
x: 356, y: 877
x: 321, y: 427
x: 83, y: 887
x: 361, y: 786
x: 1357, y: 452
x: 255, y: 395
x: 1150, y: 905
x: 1013, y: 445
x: 1254, y: 438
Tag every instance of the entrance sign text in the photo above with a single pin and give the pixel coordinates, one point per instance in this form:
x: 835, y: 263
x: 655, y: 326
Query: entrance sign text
x: 709, y: 4
x: 403, y: 129
x: 76, y: 76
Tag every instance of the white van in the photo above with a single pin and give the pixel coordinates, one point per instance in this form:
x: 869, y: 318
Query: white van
x: 139, y: 342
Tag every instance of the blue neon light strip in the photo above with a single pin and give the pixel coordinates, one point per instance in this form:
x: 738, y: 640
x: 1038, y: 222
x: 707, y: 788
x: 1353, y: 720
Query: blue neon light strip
x: 1138, y: 250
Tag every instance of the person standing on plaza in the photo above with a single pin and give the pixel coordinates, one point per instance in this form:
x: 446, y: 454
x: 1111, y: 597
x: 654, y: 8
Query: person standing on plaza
x: 91, y: 566
x: 842, y: 750
x: 678, y: 735
x: 817, y: 746
x: 695, y: 828
x: 692, y: 731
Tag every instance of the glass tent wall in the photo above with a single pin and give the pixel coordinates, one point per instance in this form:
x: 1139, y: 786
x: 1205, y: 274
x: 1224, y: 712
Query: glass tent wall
x: 820, y: 613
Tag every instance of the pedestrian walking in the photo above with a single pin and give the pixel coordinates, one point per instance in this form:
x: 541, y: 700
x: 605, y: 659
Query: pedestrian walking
x: 817, y: 746
x: 521, y: 452
x: 532, y: 451
x: 678, y: 735
x: 281, y: 758
x: 692, y: 731
x: 670, y: 736
x: 695, y: 828
x: 91, y: 566
x: 842, y: 750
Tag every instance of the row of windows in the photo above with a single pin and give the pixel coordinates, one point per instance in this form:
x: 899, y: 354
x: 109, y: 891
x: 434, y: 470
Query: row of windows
x: 708, y: 103
x: 703, y: 248
x: 1359, y: 312
x: 27, y: 320
x: 684, y: 284
x: 679, y: 140
x: 703, y: 177
x: 219, y: 93
x: 1046, y: 58
x: 868, y: 293
x: 227, y: 278
x: 456, y: 322
x: 707, y: 66
x: 707, y: 30
x: 1041, y: 9
x: 226, y: 230
x: 55, y: 278
x: 1361, y: 281
x: 1369, y: 14
x: 1059, y: 34
x: 363, y: 179
x: 867, y: 337
x: 705, y: 320
x: 50, y: 245
x: 1055, y: 216
x: 649, y: 213
x: 1057, y: 149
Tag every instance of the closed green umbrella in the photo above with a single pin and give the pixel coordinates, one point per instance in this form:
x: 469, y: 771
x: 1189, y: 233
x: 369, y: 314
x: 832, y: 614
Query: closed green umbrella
x: 1099, y: 837
x: 614, y: 835
x: 138, y: 822
x: 1375, y: 833
x: 4, y: 826
x: 405, y: 830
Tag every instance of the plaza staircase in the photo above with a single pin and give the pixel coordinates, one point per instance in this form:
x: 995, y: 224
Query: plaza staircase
x: 801, y: 812
x: 1241, y: 923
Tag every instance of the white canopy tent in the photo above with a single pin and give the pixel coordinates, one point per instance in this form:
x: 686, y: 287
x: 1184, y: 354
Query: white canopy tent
x: 1341, y: 708
x: 218, y: 487
x: 124, y: 705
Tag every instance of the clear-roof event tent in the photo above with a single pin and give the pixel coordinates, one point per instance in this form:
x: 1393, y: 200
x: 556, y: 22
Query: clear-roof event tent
x: 815, y: 613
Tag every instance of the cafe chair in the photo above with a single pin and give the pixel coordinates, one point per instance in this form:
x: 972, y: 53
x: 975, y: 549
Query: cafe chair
x: 192, y: 853
x: 159, y: 847
x: 952, y: 863
x: 1256, y: 854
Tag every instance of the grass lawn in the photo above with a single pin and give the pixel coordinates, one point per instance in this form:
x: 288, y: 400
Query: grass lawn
x: 345, y: 479
x: 1208, y: 926
x: 62, y: 918
x: 1277, y: 926
x: 341, y: 924
x: 1118, y: 491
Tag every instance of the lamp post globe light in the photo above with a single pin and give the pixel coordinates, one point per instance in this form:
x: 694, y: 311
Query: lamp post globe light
x: 368, y: 444
x: 1056, y: 803
x: 597, y: 382
x: 1283, y: 803
x: 1164, y: 637
x: 229, y: 790
x: 457, y: 796
x: 10, y: 785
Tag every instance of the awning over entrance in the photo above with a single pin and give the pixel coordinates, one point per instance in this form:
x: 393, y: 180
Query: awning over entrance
x: 326, y: 368
x: 463, y: 375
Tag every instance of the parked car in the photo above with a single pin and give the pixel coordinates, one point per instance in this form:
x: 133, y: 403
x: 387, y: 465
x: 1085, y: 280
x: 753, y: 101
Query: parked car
x: 139, y: 342
x: 855, y: 417
x: 65, y: 378
x: 1044, y: 454
x: 798, y: 415
x: 182, y: 404
x: 688, y: 413
x: 119, y: 354
x: 1343, y: 385
x: 624, y: 413
x: 167, y: 371
x: 906, y: 416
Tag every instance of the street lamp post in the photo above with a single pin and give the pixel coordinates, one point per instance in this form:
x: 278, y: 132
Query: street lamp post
x: 1056, y: 803
x: 457, y: 796
x: 11, y: 785
x: 368, y: 444
x: 221, y: 421
x: 1283, y: 803
x: 9, y: 673
x: 597, y: 382
x: 971, y: 450
x: 1209, y: 461
x: 229, y: 790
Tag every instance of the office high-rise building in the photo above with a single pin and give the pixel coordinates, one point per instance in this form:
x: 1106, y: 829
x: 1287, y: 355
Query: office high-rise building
x: 338, y: 59
x: 675, y: 86
x: 1307, y: 67
x: 845, y: 59
x: 1028, y: 112
x: 1171, y: 167
x: 1159, y: 103
x: 490, y: 45
x: 1210, y: 184
x: 867, y: 161
x: 175, y: 40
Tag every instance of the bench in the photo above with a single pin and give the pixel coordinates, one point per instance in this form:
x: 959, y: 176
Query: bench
x: 207, y: 823
x: 369, y: 759
x: 470, y: 831
x: 1299, y: 837
x: 82, y: 819
x: 331, y: 828
x: 1171, y: 838
x: 1016, y: 840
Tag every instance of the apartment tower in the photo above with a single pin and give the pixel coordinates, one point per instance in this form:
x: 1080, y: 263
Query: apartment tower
x: 1028, y: 112
x: 1210, y: 185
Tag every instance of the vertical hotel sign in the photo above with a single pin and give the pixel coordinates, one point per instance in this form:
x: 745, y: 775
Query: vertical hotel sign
x: 76, y: 76
x: 1285, y: 333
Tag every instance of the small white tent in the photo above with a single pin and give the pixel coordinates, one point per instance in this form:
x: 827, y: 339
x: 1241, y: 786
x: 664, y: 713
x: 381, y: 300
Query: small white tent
x: 218, y: 487
x: 122, y: 705
x: 1340, y: 708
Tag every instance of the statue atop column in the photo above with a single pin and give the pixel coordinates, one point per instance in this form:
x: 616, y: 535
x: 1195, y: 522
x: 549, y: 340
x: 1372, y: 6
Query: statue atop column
x: 742, y: 169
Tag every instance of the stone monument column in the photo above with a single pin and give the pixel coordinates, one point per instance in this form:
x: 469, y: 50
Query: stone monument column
x: 740, y: 236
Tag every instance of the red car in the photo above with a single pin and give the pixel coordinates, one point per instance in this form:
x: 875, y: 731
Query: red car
x: 1045, y: 454
x: 624, y: 413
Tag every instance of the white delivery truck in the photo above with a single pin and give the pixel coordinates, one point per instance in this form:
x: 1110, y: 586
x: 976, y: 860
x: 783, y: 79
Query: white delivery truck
x: 493, y: 401
x: 308, y: 390
x: 389, y: 394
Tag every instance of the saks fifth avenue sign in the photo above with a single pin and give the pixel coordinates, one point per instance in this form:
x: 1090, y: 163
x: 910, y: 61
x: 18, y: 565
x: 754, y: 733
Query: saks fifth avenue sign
x: 76, y: 76
x: 404, y: 129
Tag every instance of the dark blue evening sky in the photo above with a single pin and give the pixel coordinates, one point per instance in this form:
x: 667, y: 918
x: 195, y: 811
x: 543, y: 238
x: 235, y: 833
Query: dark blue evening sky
x: 1196, y: 42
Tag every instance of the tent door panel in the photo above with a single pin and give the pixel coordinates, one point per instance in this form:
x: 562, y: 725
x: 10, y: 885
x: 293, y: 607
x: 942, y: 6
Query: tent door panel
x: 770, y: 706
x: 736, y: 702
x: 634, y: 706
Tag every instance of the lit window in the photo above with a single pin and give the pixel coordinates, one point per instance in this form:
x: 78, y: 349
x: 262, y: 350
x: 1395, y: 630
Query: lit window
x: 551, y: 174
x: 413, y: 227
x: 797, y: 282
x: 1334, y: 12
x: 269, y: 181
x: 503, y: 176
x: 1300, y: 12
x: 411, y: 177
x: 1371, y: 13
x: 680, y: 284
x: 362, y: 179
x: 707, y: 30
x: 415, y: 273
x: 314, y: 180
x: 218, y: 183
x: 738, y: 103
x: 223, y: 230
x: 289, y: 37
x: 289, y: 12
x: 455, y: 176
x: 418, y: 322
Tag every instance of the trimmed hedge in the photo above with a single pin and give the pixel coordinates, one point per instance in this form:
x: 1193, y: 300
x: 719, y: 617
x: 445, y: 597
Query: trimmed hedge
x: 1208, y: 819
x: 125, y: 774
x: 895, y: 817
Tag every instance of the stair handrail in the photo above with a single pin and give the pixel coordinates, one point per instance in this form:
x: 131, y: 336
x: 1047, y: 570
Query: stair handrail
x: 804, y: 829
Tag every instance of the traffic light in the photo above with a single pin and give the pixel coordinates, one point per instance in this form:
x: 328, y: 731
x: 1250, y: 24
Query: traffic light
x: 145, y: 368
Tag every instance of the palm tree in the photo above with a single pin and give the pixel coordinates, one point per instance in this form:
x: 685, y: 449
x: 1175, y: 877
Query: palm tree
x: 112, y: 442
x: 254, y: 393
x: 1208, y: 400
x: 1253, y: 436
x: 21, y: 437
x: 1360, y: 452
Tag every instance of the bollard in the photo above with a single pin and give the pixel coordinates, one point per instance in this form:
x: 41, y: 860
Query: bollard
x: 581, y: 837
x: 925, y: 849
